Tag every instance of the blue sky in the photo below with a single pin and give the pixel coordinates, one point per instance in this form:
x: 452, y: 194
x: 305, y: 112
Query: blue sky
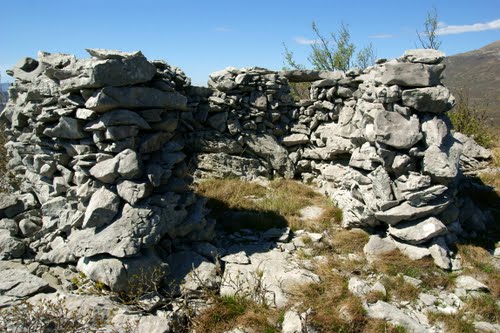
x: 204, y: 36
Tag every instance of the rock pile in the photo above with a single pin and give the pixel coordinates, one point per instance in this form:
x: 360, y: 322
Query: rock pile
x: 241, y: 123
x: 104, y: 146
x: 103, y: 174
x: 401, y: 161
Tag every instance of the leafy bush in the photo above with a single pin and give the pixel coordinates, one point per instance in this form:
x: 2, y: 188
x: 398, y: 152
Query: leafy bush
x: 48, y: 316
x: 470, y: 120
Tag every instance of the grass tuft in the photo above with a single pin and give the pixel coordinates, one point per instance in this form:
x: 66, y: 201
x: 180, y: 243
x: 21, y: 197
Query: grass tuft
x: 238, y: 204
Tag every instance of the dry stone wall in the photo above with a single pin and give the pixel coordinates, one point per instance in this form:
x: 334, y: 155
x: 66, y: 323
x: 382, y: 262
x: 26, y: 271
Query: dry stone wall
x: 106, y: 147
x: 104, y: 175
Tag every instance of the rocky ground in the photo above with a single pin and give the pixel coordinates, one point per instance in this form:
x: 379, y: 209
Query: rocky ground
x: 270, y: 280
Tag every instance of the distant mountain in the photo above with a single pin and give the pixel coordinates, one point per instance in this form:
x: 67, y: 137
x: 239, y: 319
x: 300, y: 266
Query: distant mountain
x: 478, y: 72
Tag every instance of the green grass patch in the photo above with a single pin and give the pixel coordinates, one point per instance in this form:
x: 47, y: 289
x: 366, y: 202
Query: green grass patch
x: 238, y: 204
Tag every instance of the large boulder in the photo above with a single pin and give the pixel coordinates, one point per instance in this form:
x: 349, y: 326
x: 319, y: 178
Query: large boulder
x: 136, y: 228
x: 417, y: 232
x: 429, y: 99
x: 410, y: 74
x: 20, y: 283
x: 397, y: 131
x: 267, y: 147
x: 109, y: 98
x: 140, y: 271
x: 102, y: 208
x: 109, y: 68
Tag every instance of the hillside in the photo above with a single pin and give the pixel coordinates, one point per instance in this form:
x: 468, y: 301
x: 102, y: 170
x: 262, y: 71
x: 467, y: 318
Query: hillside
x: 479, y: 72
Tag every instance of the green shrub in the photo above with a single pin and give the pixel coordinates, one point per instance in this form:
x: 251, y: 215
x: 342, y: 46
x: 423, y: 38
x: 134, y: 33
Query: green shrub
x: 470, y: 120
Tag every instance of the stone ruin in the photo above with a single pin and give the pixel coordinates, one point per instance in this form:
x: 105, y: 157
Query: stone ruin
x: 106, y: 148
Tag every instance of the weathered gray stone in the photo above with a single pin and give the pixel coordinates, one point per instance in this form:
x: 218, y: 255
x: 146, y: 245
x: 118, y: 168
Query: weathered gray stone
x: 435, y: 131
x: 377, y: 247
x: 273, y: 270
x: 102, y: 208
x: 417, y: 232
x: 295, y: 139
x: 191, y: 271
x: 267, y: 147
x: 11, y: 226
x: 365, y: 157
x: 405, y: 212
x: 471, y: 148
x: 118, y: 118
x: 410, y: 74
x: 109, y: 98
x: 469, y: 283
x: 67, y: 128
x: 425, y: 56
x: 106, y: 171
x: 20, y: 283
x: 135, y: 229
x: 116, y: 70
x: 129, y: 165
x: 442, y: 164
x: 132, y: 192
x: 125, y: 273
x: 440, y: 253
x: 430, y: 99
x: 293, y: 323
x: 381, y: 184
x: 396, y: 130
x: 385, y: 311
x: 223, y: 165
x: 10, y: 246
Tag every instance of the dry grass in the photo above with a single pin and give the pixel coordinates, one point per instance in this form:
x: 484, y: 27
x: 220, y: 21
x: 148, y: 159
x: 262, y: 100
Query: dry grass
x: 228, y: 312
x: 398, y: 288
x: 382, y: 326
x: 484, y: 307
x: 454, y: 323
x: 478, y: 263
x: 395, y: 263
x: 263, y: 208
x: 334, y: 307
x: 349, y: 241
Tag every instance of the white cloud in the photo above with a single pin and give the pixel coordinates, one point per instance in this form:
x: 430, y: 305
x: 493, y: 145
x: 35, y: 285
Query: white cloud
x: 381, y: 36
x: 305, y: 41
x: 222, y: 29
x: 460, y: 29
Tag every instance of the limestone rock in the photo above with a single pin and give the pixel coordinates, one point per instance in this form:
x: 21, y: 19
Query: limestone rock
x: 106, y: 171
x: 20, y: 283
x: 10, y: 246
x: 417, y: 232
x: 191, y: 271
x: 268, y: 148
x: 114, y: 70
x: 425, y: 56
x: 122, y: 274
x: 376, y: 247
x: 135, y: 229
x: 132, y: 192
x: 411, y: 74
x: 109, y: 98
x: 405, y: 211
x: 67, y: 128
x: 295, y: 139
x: 469, y: 283
x: 385, y: 311
x: 222, y: 165
x: 102, y: 208
x: 365, y: 157
x: 118, y: 117
x: 396, y: 130
x: 430, y: 99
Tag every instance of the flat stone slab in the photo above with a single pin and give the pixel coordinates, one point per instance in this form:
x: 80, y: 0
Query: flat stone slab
x: 20, y: 283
